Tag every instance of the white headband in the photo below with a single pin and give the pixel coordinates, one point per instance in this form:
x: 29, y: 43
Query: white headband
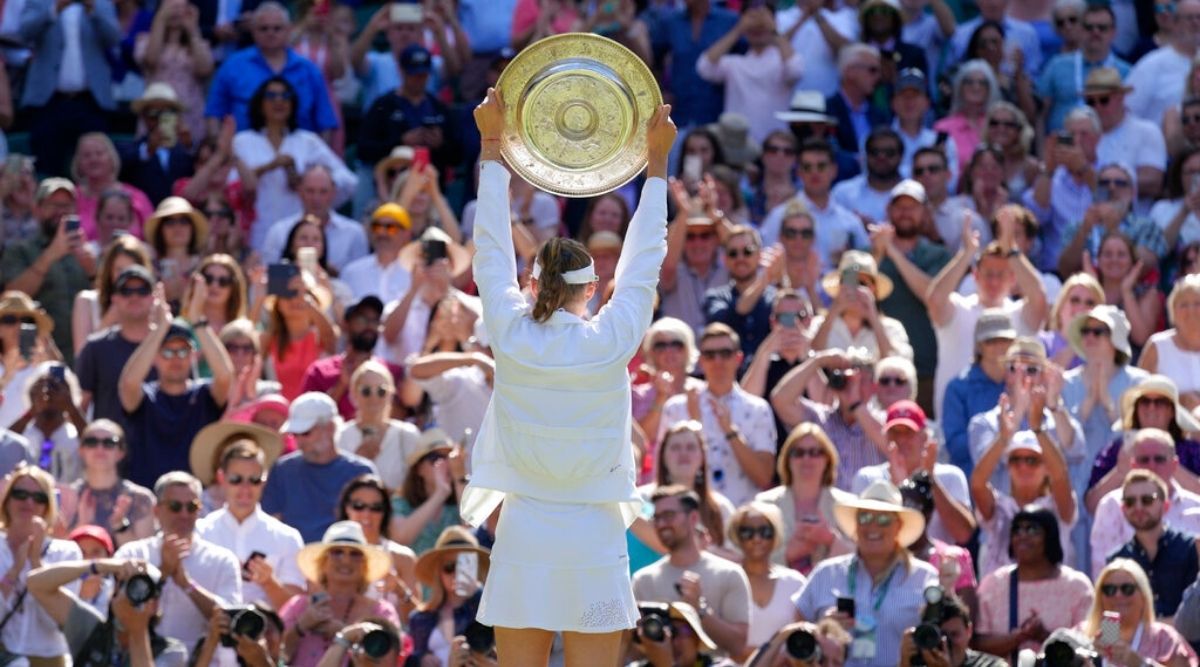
x: 577, y: 277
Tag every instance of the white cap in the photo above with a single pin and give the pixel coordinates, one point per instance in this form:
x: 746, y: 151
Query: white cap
x: 307, y: 411
x: 908, y: 188
x: 1024, y: 441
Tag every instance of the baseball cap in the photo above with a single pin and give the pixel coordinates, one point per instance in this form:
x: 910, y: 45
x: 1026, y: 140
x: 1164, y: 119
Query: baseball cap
x: 911, y: 77
x: 49, y: 186
x: 1027, y: 347
x: 308, y: 410
x: 393, y: 213
x: 368, y: 301
x: 905, y: 413
x: 94, y: 532
x: 992, y: 324
x: 415, y: 59
x: 134, y: 272
x: 1023, y: 440
x: 179, y: 328
x: 908, y: 188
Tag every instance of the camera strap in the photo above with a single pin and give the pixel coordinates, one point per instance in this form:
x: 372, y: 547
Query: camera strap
x: 1013, y: 624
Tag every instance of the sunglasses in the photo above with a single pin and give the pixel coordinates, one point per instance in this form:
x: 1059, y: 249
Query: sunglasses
x: 660, y: 345
x: 175, y: 353
x: 388, y: 228
x: 219, y: 213
x: 1027, y: 529
x: 1098, y: 332
x: 889, y: 381
x: 781, y: 150
x: 365, y: 392
x: 1030, y: 461
x: 1029, y: 369
x: 810, y: 452
x: 734, y: 253
x: 1147, y: 500
x: 806, y: 233
x: 175, y: 507
x: 928, y: 169
x: 278, y: 95
x: 809, y: 167
x: 240, y: 348
x: 1110, y: 590
x: 747, y: 533
x: 1155, y: 458
x: 38, y: 497
x: 339, y: 552
x: 883, y: 152
x: 1190, y: 119
x: 1097, y: 27
x: 724, y: 353
x: 359, y: 506
x: 176, y: 221
x: 1157, y: 401
x: 1113, y: 183
x: 90, y: 441
x: 144, y: 290
x: 238, y: 480
x: 881, y: 519
x: 12, y: 320
x: 1066, y: 20
x: 700, y: 236
x: 219, y: 281
x: 449, y: 567
x: 1010, y: 124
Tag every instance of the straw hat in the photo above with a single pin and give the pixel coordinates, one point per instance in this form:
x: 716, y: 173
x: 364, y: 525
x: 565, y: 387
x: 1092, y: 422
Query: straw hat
x: 1105, y: 80
x: 865, y: 264
x: 452, y: 540
x: 210, y: 443
x: 1114, y: 319
x: 411, y: 254
x: 158, y: 92
x: 15, y: 302
x: 807, y: 106
x: 343, y: 534
x: 1160, y: 385
x: 172, y: 206
x: 880, y: 496
x: 431, y: 440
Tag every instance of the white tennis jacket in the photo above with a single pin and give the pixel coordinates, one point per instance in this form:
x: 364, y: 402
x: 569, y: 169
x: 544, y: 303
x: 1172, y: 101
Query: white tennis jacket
x: 559, y: 421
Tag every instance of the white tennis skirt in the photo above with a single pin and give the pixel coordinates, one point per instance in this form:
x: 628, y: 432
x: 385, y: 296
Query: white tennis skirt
x: 559, y: 566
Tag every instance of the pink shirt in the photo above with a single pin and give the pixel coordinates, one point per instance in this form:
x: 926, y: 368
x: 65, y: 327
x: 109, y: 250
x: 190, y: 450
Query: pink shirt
x: 1061, y: 602
x: 85, y: 206
x: 313, y: 646
x: 964, y: 135
x: 1162, y: 643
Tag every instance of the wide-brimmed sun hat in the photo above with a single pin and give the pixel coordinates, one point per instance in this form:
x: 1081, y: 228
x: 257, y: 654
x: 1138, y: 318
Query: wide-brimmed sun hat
x: 865, y: 265
x: 454, y: 539
x: 1118, y: 328
x: 1157, y: 385
x: 880, y: 496
x: 211, y: 441
x: 344, y: 534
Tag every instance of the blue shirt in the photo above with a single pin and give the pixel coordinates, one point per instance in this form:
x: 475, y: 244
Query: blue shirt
x: 246, y: 70
x: 967, y: 395
x: 305, y: 494
x: 488, y: 23
x: 1061, y: 83
x: 696, y: 101
x: 161, y: 429
x: 720, y: 305
x: 1175, y: 565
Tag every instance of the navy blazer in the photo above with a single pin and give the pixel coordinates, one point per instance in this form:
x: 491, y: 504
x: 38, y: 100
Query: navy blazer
x: 835, y: 105
x: 40, y: 27
x: 148, y: 174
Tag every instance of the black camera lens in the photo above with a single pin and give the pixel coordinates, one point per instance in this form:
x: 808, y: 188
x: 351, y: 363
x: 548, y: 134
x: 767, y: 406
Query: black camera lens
x: 802, y: 645
x: 837, y: 379
x: 927, y: 636
x: 1059, y: 654
x: 376, y: 643
x: 245, y: 621
x: 654, y: 629
x: 141, y: 588
x: 480, y: 638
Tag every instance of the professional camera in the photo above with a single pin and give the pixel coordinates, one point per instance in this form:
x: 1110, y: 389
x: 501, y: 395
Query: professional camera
x: 1066, y: 648
x: 144, y: 586
x: 246, y: 621
x: 838, y: 378
x: 928, y: 635
x: 480, y: 638
x: 379, y: 642
x: 656, y: 618
x: 803, y: 646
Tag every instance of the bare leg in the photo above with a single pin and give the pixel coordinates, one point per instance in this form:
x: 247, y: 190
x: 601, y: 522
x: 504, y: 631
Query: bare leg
x: 523, y: 647
x: 585, y: 649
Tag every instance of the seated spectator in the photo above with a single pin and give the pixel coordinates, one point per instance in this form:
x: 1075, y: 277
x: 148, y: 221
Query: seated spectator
x: 1175, y: 211
x: 802, y: 263
x: 910, y: 109
x: 379, y: 274
x: 1123, y: 587
x: 278, y: 148
x: 987, y: 44
x: 407, y: 115
x: 373, y: 434
x: 88, y: 627
x: 1049, y: 594
x: 100, y: 497
x: 451, y: 331
x: 831, y: 638
x: 882, y: 529
x: 93, y: 311
x: 365, y: 500
x: 30, y: 513
x: 165, y: 414
x: 910, y: 451
x: 785, y: 348
x: 931, y: 167
x: 1059, y: 82
x: 437, y: 569
x: 243, y: 344
x: 18, y: 183
x: 1167, y: 555
x: 1037, y: 475
x: 1125, y: 137
x: 354, y: 634
x: 853, y: 319
x: 178, y: 234
x: 332, y: 374
x: 19, y: 365
x: 849, y: 418
x: 309, y: 233
x: 95, y: 168
x: 983, y: 181
x: 1114, y: 212
x: 339, y: 568
x: 1079, y: 294
x: 757, y: 529
x: 302, y: 487
x: 1009, y: 130
x: 114, y: 217
x: 956, y: 569
x: 1170, y: 352
x: 959, y: 633
x: 160, y: 155
x: 977, y: 389
x: 669, y: 357
x: 418, y: 192
x: 219, y: 287
x: 1064, y: 187
x: 855, y: 112
x: 744, y: 303
x: 427, y: 501
x: 52, y: 266
x: 95, y: 544
x: 738, y: 427
x: 689, y: 574
x: 235, y: 458
x: 299, y: 333
x: 197, y: 575
x: 807, y: 464
x: 868, y: 194
x: 684, y: 641
x: 975, y: 89
x: 175, y: 53
x: 406, y: 322
x: 53, y: 420
x: 778, y: 181
x: 261, y: 650
x: 458, y: 385
x: 895, y: 381
x: 318, y: 189
x: 1149, y: 449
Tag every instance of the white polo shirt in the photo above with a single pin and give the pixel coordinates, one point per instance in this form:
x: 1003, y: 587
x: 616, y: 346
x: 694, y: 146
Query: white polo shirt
x: 259, y: 532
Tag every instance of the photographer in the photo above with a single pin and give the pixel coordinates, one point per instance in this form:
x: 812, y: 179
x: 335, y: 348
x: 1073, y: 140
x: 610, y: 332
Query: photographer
x: 671, y: 636
x: 956, y: 632
x: 256, y: 642
x: 804, y: 644
x: 375, y: 641
x: 91, y: 639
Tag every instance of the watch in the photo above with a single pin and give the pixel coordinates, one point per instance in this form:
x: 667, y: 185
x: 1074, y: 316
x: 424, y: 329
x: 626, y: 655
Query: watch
x: 733, y: 433
x: 200, y: 323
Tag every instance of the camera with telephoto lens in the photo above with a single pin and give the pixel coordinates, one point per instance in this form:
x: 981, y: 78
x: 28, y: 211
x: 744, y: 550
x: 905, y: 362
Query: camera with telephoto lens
x: 377, y: 643
x: 246, y: 621
x: 144, y: 586
x: 656, y: 618
x: 802, y: 645
x: 1066, y: 648
x: 480, y: 638
x: 838, y: 378
x: 928, y: 635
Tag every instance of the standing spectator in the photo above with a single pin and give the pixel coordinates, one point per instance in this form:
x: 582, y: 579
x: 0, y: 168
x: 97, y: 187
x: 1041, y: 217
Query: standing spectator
x: 1009, y: 130
x: 198, y: 576
x: 221, y: 292
x: 760, y: 81
x: 18, y: 183
x: 1061, y: 82
x: 1122, y: 587
x: 379, y: 71
x: 868, y: 194
x: 95, y: 168
x: 332, y: 374
x: 738, y: 426
x: 458, y: 384
x: 818, y: 31
x: 1126, y: 138
x: 101, y: 497
x: 243, y: 73
x: 1160, y: 77
x: 694, y: 100
x: 717, y: 587
x: 364, y: 500
x: 975, y: 89
x: 373, y: 434
x: 426, y: 503
x: 1019, y: 35
x: 176, y: 55
x: 1123, y: 266
x: 178, y: 234
x: 164, y: 415
x: 302, y: 487
x: 379, y: 274
x: 320, y: 189
x: 68, y: 86
x: 488, y: 25
x: 778, y: 181
x: 910, y: 110
x: 691, y: 267
x: 322, y: 38
x: 1081, y: 293
x: 669, y: 357
x: 853, y: 319
x: 52, y: 421
x: 882, y: 25
x: 786, y: 347
x: 757, y: 529
x: 956, y: 569
x: 1064, y: 187
x: 408, y: 115
x: 53, y: 266
x: 434, y: 636
x: 744, y: 304
x: 158, y: 157
x: 852, y: 105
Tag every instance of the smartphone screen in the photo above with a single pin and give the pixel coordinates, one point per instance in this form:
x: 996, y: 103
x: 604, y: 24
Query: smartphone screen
x: 850, y: 277
x: 254, y: 555
x: 433, y: 250
x: 58, y: 373
x: 71, y: 222
x: 407, y: 12
x: 466, y: 572
x: 786, y: 319
x: 420, y: 158
x: 27, y: 341
x: 692, y: 167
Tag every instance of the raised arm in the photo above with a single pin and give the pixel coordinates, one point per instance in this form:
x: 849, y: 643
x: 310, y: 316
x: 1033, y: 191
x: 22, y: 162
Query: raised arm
x: 494, y: 265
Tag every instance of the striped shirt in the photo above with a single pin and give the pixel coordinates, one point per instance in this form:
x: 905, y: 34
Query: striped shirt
x: 855, y: 449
